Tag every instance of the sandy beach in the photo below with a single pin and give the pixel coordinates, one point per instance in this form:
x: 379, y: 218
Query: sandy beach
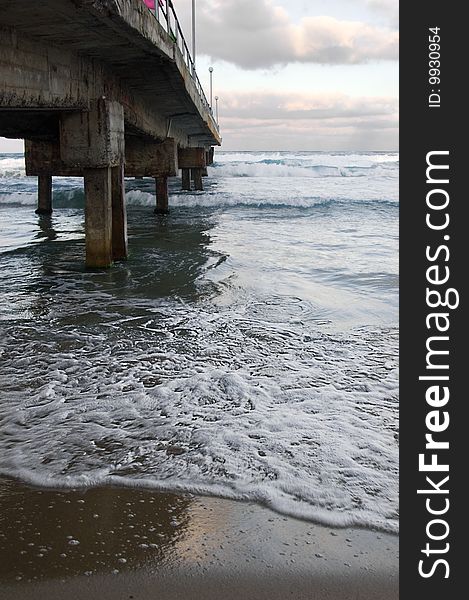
x: 128, y: 544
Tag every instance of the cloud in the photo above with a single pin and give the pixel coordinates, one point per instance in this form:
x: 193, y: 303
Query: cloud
x: 327, y: 40
x: 257, y: 34
x: 388, y: 8
x: 292, y: 105
x: 289, y: 121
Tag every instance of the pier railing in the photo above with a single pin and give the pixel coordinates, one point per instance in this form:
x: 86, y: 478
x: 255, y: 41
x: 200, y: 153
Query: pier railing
x: 165, y: 14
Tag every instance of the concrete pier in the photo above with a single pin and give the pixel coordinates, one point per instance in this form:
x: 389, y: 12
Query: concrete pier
x: 95, y: 87
x: 186, y: 179
x: 192, y: 161
x: 162, y: 205
x: 98, y: 217
x: 197, y: 179
x: 119, y: 214
x: 44, y: 201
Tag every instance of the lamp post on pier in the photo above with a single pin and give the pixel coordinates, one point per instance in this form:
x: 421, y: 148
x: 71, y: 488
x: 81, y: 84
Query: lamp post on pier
x: 216, y: 110
x: 193, y: 32
x: 211, y: 87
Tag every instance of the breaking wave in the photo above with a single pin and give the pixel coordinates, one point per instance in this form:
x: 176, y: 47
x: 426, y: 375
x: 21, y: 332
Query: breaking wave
x: 359, y: 178
x: 284, y: 168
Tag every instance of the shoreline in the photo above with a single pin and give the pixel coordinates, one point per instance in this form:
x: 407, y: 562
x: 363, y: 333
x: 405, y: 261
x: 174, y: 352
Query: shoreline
x: 133, y: 544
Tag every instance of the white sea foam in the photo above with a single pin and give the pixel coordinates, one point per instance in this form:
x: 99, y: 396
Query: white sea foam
x: 196, y: 402
x: 290, y: 169
x: 12, y: 166
x: 222, y: 196
x: 19, y: 198
x: 309, y: 158
x: 140, y: 198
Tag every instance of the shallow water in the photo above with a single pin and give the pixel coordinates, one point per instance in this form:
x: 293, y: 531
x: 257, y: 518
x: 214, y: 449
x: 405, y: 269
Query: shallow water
x: 247, y: 348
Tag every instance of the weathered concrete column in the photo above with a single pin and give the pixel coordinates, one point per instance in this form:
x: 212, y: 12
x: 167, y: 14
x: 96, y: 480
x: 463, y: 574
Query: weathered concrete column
x: 149, y: 158
x: 186, y: 179
x: 98, y: 217
x: 210, y: 156
x: 44, y: 202
x: 197, y: 178
x: 195, y: 160
x: 93, y: 141
x: 119, y: 214
x: 162, y: 204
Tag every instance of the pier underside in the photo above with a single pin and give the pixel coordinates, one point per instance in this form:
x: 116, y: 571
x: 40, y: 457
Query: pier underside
x: 100, y: 90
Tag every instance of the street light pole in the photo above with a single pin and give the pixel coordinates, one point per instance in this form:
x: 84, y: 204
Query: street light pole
x: 193, y: 32
x: 216, y: 111
x: 211, y: 86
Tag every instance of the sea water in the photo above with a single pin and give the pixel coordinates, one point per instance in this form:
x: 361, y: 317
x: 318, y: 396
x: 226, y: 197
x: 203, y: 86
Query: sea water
x: 246, y: 349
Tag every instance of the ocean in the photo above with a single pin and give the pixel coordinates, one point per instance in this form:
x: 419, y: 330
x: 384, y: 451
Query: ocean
x: 246, y: 349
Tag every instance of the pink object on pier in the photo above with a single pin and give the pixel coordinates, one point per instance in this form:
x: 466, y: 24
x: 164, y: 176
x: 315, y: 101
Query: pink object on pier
x: 150, y: 3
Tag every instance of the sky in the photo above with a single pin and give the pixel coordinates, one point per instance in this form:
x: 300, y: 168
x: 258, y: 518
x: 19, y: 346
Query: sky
x: 297, y: 74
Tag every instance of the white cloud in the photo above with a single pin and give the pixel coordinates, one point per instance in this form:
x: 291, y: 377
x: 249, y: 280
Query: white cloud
x: 291, y: 105
x: 327, y: 40
x: 308, y: 121
x: 388, y: 8
x: 258, y: 34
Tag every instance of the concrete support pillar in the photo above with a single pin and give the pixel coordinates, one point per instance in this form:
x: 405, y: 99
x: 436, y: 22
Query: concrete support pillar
x: 195, y: 160
x: 149, y: 158
x: 44, y: 204
x: 197, y: 178
x: 119, y: 214
x: 93, y: 142
x: 186, y: 179
x: 162, y: 205
x: 98, y: 217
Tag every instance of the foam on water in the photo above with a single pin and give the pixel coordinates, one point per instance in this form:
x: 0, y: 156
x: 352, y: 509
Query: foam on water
x: 337, y: 159
x: 247, y: 348
x: 290, y: 168
x: 11, y: 165
x: 206, y: 401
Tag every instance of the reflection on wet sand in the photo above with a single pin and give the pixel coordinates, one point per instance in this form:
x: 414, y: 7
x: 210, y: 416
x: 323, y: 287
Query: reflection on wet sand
x: 121, y: 544
x: 57, y: 534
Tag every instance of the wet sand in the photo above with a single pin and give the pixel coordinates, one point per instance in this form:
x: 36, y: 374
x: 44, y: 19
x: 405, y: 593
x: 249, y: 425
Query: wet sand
x: 127, y: 544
